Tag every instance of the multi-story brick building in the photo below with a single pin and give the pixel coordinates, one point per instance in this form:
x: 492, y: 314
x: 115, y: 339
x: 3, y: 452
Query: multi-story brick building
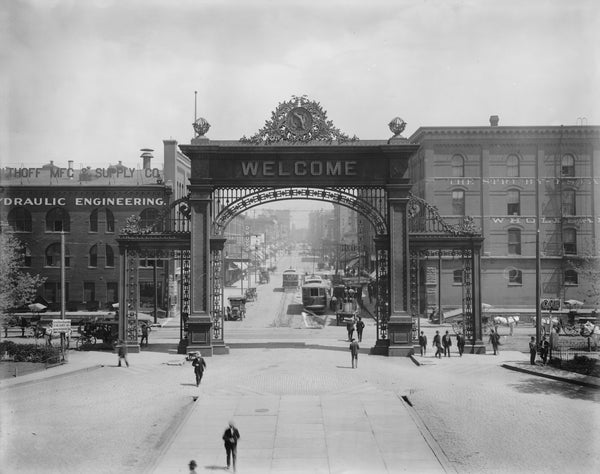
x: 516, y: 182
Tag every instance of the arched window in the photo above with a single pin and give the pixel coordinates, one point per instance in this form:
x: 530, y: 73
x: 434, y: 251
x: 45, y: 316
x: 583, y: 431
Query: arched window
x: 97, y: 216
x: 19, y: 219
x: 571, y: 277
x: 53, y: 256
x: 515, y: 276
x: 110, y: 256
x: 458, y: 276
x: 148, y: 218
x: 568, y: 202
x: 514, y: 241
x: 57, y: 220
x: 512, y: 166
x: 570, y: 241
x: 458, y: 202
x: 513, y: 202
x: 567, y: 166
x: 94, y: 221
x: 458, y: 166
x: 93, y: 256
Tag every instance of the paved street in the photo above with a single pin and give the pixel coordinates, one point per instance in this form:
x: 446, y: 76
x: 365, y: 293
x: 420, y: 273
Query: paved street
x: 298, y: 405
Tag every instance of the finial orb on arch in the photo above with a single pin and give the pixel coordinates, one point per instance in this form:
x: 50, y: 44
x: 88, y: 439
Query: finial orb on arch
x: 201, y: 126
x: 397, y: 126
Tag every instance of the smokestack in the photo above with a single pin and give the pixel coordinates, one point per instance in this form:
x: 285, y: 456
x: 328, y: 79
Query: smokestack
x: 146, y: 157
x: 494, y: 119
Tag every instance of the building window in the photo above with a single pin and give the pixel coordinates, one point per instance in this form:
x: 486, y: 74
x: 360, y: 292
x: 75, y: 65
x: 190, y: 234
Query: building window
x: 571, y: 277
x: 512, y: 166
x: 96, y: 217
x: 110, y: 256
x: 57, y: 220
x: 515, y: 277
x: 148, y: 218
x: 514, y: 241
x: 458, y: 166
x: 567, y: 166
x: 89, y: 291
x: 93, y: 256
x: 26, y: 254
x: 53, y: 256
x: 568, y: 202
x: 458, y: 202
x: 570, y: 241
x: 458, y: 277
x: 19, y: 219
x: 112, y: 292
x: 52, y: 292
x: 513, y: 206
x: 94, y: 221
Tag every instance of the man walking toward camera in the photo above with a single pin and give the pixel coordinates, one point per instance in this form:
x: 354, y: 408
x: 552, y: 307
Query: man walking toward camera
x: 354, y: 353
x: 230, y: 437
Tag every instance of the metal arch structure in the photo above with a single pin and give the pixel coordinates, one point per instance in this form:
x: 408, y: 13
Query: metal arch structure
x: 430, y: 237
x: 369, y: 202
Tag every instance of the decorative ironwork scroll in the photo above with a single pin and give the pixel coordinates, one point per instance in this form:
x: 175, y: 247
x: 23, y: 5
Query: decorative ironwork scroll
x: 369, y: 202
x: 131, y: 305
x: 423, y: 218
x: 467, y: 257
x: 217, y: 315
x: 185, y: 259
x: 298, y: 120
x: 382, y: 295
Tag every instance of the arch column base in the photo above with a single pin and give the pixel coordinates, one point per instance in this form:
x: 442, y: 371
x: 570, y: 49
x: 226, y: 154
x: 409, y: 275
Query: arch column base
x: 400, y: 335
x: 199, y: 337
x: 477, y: 348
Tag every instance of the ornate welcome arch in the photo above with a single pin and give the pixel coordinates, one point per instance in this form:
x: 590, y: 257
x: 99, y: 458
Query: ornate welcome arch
x: 299, y: 154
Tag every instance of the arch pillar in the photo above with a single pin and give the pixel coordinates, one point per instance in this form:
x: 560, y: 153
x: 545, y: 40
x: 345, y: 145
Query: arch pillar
x: 400, y: 321
x: 199, y: 322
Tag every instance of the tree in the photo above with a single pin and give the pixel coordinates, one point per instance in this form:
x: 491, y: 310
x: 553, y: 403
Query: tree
x: 17, y: 288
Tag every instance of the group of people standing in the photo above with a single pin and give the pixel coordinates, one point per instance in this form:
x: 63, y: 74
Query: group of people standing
x: 442, y: 344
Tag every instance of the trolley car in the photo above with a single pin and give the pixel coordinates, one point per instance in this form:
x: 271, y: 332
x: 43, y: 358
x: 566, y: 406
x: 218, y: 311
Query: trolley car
x: 314, y: 295
x: 291, y: 279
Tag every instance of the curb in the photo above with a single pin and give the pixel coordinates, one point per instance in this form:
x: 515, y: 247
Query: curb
x: 437, y: 450
x: 582, y: 383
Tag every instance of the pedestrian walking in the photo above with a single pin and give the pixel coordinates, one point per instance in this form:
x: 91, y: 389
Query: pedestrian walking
x: 231, y: 437
x: 544, y: 347
x: 495, y: 341
x: 532, y: 350
x: 350, y: 328
x: 192, y: 465
x: 460, y: 343
x: 437, y: 343
x: 447, y: 343
x: 354, y: 347
x: 122, y: 351
x: 360, y: 325
x: 423, y: 343
x: 199, y: 365
x: 144, y: 335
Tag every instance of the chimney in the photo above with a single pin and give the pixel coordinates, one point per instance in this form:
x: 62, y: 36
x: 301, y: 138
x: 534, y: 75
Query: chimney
x: 70, y: 173
x: 146, y: 157
x: 494, y: 119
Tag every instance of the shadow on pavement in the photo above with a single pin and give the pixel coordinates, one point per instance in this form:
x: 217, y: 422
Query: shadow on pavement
x: 536, y: 385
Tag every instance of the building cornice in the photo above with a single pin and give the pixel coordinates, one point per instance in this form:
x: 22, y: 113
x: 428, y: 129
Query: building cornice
x: 537, y: 132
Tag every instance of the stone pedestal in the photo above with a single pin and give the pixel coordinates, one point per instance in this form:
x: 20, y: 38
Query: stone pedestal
x: 477, y: 348
x: 400, y: 336
x: 199, y: 339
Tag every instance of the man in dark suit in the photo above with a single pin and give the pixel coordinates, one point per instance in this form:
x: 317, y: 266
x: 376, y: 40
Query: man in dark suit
x: 230, y: 437
x: 447, y: 343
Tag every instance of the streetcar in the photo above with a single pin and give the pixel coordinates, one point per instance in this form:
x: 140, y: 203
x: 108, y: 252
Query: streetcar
x: 314, y: 295
x: 291, y: 279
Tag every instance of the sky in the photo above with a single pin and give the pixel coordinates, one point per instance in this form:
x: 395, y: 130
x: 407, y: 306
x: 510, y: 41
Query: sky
x: 94, y: 81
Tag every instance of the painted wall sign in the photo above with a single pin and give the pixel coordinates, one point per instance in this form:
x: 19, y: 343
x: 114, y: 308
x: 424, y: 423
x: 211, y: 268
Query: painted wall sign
x: 82, y: 201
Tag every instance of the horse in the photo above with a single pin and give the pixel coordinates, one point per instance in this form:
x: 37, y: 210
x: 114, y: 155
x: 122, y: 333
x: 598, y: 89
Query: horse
x: 506, y: 320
